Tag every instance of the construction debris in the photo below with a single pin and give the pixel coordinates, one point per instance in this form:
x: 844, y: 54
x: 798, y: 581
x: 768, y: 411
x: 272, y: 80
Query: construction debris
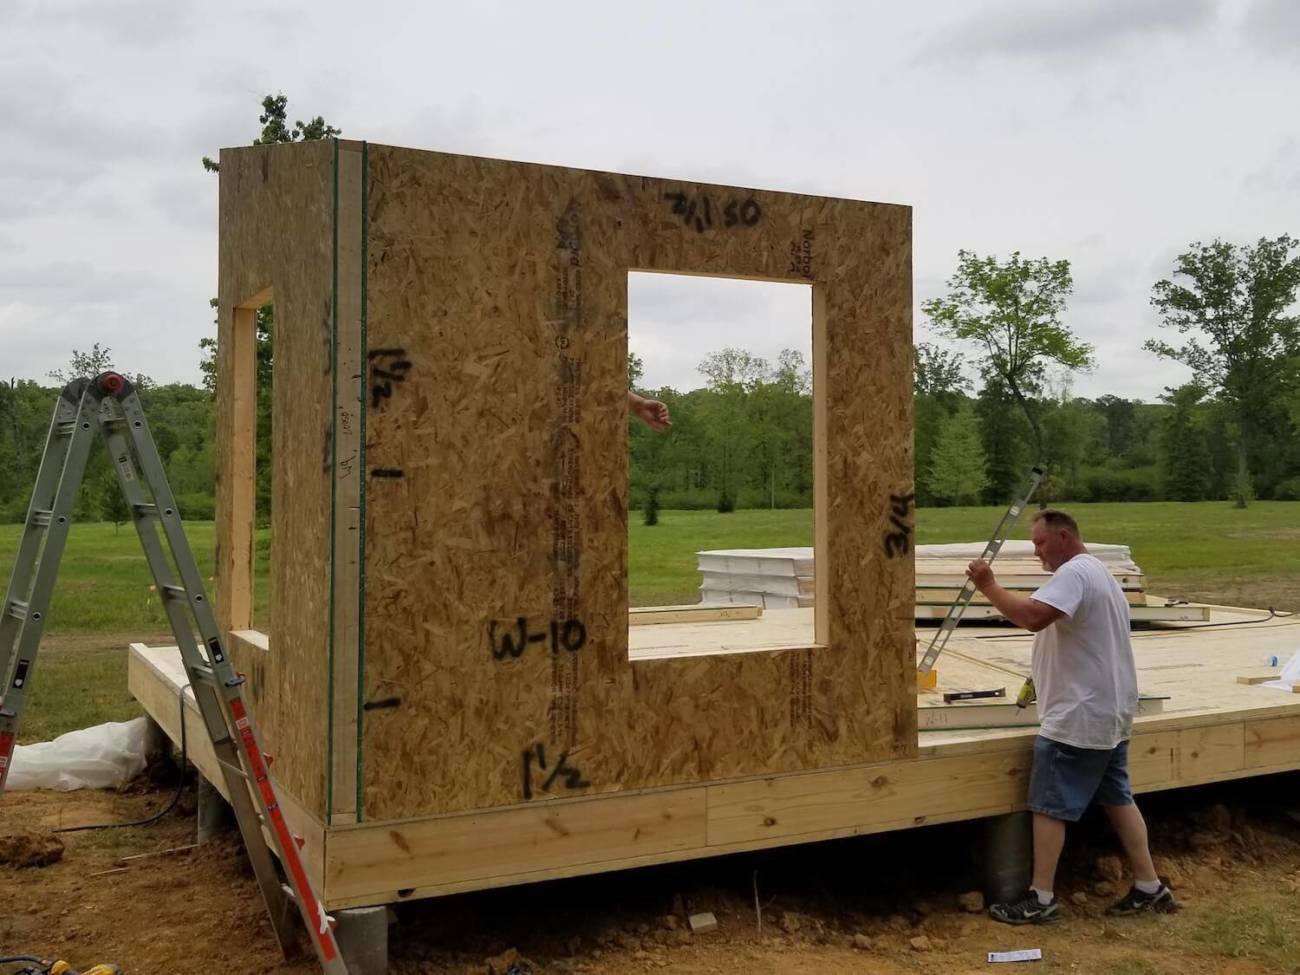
x: 702, y: 922
x: 30, y: 849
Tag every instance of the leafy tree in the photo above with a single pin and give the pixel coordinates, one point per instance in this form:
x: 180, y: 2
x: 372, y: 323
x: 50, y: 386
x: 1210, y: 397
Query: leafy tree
x: 938, y: 388
x: 652, y: 506
x: 1185, y: 457
x: 1075, y: 431
x: 937, y: 371
x: 106, y: 495
x: 956, y: 474
x: 1003, y: 433
x: 734, y: 370
x: 84, y: 365
x: 1236, y: 309
x: 1118, y: 413
x: 733, y: 374
x: 275, y: 129
x: 1012, y: 311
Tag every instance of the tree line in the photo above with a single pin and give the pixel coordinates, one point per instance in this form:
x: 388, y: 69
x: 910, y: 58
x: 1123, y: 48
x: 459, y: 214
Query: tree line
x: 1233, y: 431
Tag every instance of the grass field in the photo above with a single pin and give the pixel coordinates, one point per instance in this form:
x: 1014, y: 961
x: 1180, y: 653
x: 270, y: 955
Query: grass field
x: 1207, y: 552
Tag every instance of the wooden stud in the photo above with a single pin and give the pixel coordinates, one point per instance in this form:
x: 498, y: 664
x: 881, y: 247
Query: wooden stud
x: 236, y: 466
x: 277, y: 232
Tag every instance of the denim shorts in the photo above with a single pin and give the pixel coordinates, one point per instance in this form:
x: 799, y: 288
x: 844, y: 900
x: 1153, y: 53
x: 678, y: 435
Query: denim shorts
x: 1065, y: 779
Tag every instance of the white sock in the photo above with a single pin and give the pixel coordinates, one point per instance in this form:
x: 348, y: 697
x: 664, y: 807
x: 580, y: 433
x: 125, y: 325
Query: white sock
x: 1147, y: 886
x: 1044, y: 896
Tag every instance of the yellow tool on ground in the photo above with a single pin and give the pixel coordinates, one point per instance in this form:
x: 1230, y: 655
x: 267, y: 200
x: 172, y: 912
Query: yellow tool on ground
x: 63, y: 968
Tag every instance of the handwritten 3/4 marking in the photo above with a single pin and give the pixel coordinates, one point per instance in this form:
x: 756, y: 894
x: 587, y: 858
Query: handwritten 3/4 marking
x: 699, y: 211
x: 510, y: 640
x: 570, y: 774
x: 901, y: 509
x: 387, y: 366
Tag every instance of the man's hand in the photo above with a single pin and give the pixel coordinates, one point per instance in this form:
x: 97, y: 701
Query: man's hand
x: 1020, y: 610
x: 981, y: 573
x: 652, y: 413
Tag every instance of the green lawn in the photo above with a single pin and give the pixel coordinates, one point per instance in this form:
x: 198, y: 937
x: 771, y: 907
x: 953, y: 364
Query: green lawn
x: 1209, y: 552
x: 104, y: 582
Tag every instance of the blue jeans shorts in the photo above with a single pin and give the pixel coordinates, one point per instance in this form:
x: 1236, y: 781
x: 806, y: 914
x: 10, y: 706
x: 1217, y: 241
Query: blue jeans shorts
x: 1065, y: 779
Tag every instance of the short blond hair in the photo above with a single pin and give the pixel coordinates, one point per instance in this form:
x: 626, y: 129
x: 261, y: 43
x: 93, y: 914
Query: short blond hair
x: 1056, y: 520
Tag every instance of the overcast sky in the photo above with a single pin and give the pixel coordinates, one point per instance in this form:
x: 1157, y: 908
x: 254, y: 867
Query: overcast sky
x: 1109, y: 132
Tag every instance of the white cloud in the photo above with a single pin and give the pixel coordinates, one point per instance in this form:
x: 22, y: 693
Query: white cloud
x: 1045, y: 31
x: 1274, y: 26
x: 1102, y: 131
x: 675, y: 321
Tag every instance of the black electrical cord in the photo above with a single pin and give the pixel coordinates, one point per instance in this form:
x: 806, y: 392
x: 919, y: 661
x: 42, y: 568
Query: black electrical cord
x: 180, y: 787
x: 1165, y: 631
x: 43, y: 969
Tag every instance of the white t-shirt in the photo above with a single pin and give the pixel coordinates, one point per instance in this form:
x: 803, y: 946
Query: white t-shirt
x: 1083, y: 663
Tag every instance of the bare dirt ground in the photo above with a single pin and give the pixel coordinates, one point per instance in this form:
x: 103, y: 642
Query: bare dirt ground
x: 888, y: 904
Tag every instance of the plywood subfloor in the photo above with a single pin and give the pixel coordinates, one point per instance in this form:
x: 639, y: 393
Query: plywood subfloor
x: 1212, y: 729
x: 776, y: 629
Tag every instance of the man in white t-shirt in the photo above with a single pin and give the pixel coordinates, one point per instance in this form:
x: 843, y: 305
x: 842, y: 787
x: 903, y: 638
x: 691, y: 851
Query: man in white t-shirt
x: 1086, y: 683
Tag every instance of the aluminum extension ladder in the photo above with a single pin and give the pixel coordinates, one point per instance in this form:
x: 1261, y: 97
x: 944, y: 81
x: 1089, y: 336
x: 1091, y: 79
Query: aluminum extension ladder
x: 109, y: 405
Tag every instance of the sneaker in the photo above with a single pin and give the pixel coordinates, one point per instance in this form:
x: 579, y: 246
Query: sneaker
x: 1026, y: 910
x: 1134, y: 902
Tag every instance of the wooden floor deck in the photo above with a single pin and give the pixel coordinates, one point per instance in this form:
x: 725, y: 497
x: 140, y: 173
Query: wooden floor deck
x: 1211, y: 728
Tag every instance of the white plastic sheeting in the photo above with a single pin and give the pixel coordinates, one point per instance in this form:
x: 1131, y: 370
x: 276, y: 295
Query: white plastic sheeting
x: 103, y: 757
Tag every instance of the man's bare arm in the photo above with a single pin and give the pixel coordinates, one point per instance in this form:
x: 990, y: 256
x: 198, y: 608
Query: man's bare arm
x: 653, y: 413
x: 1021, y: 610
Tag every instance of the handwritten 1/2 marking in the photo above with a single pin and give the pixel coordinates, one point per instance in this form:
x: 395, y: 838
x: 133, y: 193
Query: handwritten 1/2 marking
x: 899, y: 541
x: 514, y: 638
x: 698, y: 211
x: 537, y: 754
x: 387, y: 366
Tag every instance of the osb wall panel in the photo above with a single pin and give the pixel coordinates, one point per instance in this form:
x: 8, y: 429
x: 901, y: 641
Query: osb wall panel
x: 495, y: 626
x: 276, y: 230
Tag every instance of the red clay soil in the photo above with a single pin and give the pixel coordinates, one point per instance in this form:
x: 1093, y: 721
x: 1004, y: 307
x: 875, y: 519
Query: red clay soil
x: 876, y: 904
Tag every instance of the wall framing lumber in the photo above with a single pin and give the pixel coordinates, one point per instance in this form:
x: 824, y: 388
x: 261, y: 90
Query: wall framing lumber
x: 236, y: 468
x: 277, y: 240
